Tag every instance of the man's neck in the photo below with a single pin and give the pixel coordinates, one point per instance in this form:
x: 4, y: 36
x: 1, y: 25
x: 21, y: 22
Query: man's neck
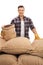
x: 21, y: 17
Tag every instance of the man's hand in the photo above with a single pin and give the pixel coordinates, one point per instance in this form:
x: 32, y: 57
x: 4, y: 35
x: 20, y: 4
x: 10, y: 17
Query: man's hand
x: 35, y: 34
x: 37, y: 37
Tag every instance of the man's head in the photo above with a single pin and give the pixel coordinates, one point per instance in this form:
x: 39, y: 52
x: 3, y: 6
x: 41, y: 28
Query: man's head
x: 21, y: 10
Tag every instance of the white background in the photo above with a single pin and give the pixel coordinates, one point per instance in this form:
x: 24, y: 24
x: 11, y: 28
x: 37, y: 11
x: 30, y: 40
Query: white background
x: 33, y: 9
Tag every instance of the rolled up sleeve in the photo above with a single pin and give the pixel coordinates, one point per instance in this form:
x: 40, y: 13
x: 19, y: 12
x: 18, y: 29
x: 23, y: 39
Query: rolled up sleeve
x: 12, y: 22
x: 31, y: 25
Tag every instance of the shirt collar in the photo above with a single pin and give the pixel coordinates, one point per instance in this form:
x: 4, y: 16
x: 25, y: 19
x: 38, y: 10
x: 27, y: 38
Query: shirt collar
x: 23, y: 18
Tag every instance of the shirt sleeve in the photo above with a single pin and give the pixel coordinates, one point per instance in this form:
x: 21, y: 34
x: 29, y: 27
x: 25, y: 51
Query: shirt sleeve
x: 12, y: 22
x: 31, y: 25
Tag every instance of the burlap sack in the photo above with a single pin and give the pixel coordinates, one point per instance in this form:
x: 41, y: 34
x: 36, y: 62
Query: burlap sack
x: 38, y: 48
x: 2, y: 43
x: 8, y: 32
x: 6, y: 59
x: 17, y: 46
x: 29, y: 60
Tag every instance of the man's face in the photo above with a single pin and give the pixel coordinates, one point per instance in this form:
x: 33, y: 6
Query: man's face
x: 21, y: 11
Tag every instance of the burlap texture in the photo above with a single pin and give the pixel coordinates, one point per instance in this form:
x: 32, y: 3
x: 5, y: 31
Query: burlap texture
x: 6, y: 59
x: 29, y: 60
x: 8, y: 32
x: 17, y: 46
x: 2, y: 43
x: 38, y: 48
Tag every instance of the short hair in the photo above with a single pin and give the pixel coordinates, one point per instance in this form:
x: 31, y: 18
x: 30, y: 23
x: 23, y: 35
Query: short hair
x: 21, y: 6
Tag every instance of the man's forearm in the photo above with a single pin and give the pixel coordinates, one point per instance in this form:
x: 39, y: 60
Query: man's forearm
x: 35, y: 33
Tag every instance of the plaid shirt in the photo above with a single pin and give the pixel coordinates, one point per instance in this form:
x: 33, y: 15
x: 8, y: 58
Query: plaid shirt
x: 27, y: 23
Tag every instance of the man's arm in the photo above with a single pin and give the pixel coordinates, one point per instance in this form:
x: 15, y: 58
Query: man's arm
x: 35, y: 34
x: 34, y: 31
x: 32, y: 27
x: 12, y: 22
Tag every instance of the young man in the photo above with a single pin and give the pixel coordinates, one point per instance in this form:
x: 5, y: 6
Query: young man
x: 22, y: 24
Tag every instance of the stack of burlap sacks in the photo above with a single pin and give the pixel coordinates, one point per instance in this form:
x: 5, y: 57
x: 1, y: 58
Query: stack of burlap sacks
x: 29, y: 54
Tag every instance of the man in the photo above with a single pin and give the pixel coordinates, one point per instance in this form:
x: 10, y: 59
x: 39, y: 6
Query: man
x: 23, y: 23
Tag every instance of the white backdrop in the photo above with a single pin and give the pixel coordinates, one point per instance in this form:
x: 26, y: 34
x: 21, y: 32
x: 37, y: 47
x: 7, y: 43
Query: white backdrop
x: 33, y: 9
